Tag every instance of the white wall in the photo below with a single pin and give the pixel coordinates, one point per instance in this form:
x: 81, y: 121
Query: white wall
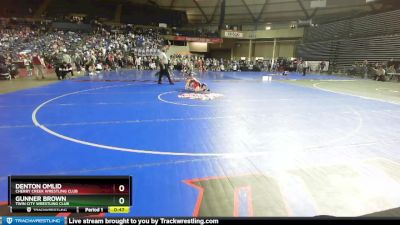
x: 198, y: 46
x: 264, y: 49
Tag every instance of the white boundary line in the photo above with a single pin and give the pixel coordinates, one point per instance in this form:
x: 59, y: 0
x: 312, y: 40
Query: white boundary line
x: 151, y: 152
x: 49, y: 131
x: 315, y: 85
x: 386, y: 89
x: 161, y: 120
x: 347, y: 136
x: 333, y: 80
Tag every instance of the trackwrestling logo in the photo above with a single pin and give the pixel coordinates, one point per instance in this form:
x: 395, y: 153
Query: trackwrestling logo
x: 34, y: 220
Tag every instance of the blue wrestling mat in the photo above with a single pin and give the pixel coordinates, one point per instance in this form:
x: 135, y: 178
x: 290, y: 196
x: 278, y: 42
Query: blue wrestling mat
x: 262, y: 149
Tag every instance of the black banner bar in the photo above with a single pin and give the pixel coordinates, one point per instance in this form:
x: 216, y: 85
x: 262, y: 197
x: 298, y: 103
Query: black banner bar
x: 80, y: 209
x: 16, y: 209
x: 230, y: 221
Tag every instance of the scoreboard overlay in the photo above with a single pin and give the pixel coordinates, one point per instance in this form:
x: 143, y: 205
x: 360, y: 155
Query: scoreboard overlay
x: 77, y: 194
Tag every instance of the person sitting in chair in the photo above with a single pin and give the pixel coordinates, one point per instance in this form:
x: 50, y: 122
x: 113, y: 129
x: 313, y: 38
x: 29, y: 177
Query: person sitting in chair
x: 4, y: 71
x: 380, y: 74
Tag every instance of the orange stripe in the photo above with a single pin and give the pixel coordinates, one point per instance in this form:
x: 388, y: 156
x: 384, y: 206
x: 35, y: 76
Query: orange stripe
x: 236, y: 201
x: 250, y: 199
x: 201, y: 189
x: 207, y: 178
x: 199, y: 197
x: 65, y: 214
x: 97, y: 216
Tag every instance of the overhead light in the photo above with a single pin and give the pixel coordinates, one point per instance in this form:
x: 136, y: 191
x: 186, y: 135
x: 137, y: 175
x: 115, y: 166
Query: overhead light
x: 268, y: 28
x: 318, y: 4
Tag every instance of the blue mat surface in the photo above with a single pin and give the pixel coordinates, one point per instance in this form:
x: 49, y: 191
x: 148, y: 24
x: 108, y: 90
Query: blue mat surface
x: 124, y: 123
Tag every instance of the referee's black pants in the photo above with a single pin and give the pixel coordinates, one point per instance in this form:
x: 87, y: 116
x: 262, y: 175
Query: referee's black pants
x: 164, y: 72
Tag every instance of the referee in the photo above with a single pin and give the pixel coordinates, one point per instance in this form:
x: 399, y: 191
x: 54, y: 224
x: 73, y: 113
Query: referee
x: 164, y: 66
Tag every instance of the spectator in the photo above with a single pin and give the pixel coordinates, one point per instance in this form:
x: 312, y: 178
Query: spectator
x: 28, y: 65
x: 38, y: 65
x: 391, y: 71
x: 322, y: 66
x: 78, y: 61
x: 380, y: 74
x: 4, y: 71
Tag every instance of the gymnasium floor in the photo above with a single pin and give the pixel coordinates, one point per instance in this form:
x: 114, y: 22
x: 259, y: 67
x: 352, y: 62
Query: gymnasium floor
x: 296, y: 146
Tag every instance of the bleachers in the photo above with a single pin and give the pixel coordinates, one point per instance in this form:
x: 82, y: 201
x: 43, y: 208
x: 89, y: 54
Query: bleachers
x: 129, y: 13
x: 372, y: 25
x: 374, y: 49
x: 144, y: 14
x: 345, y: 52
x: 60, y: 8
x: 19, y: 8
x: 120, y: 10
x: 375, y: 38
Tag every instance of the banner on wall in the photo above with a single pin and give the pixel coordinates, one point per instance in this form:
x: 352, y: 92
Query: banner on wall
x: 233, y: 34
x: 198, y: 39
